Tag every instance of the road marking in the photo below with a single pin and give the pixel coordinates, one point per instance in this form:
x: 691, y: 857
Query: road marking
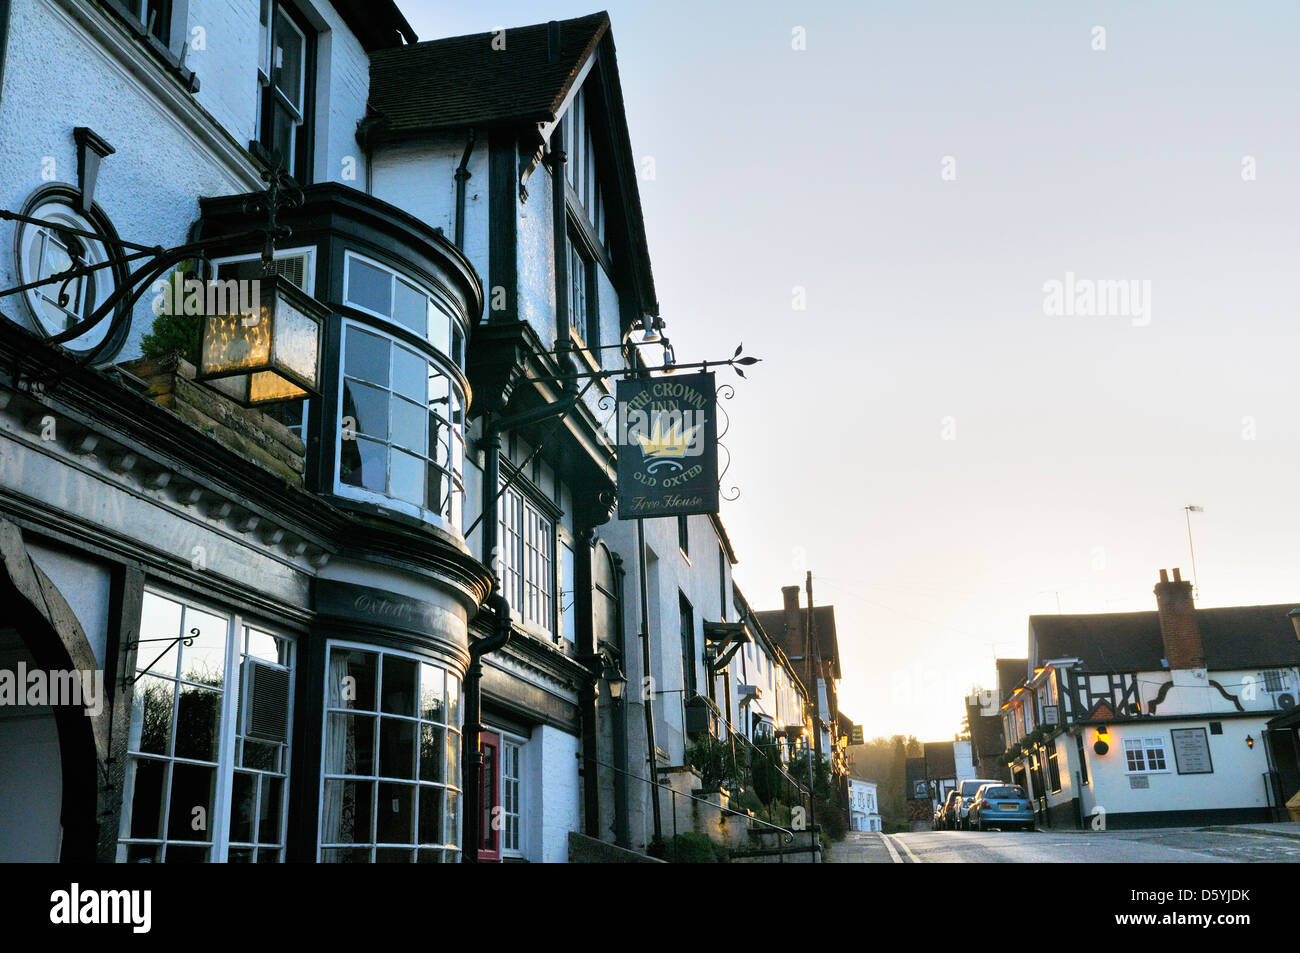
x: 907, y: 850
x: 890, y: 846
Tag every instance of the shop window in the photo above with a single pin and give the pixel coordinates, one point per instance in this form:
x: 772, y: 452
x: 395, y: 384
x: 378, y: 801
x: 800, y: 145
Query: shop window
x: 391, y: 759
x: 210, y: 713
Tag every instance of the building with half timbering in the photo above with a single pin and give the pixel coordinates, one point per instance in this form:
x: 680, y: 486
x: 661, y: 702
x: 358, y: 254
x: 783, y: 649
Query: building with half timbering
x: 289, y: 604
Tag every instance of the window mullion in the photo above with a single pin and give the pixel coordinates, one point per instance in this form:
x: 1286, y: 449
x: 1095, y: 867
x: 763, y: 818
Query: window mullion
x: 219, y: 824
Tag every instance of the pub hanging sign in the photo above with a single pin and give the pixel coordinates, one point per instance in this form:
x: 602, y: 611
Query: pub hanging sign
x: 667, y: 446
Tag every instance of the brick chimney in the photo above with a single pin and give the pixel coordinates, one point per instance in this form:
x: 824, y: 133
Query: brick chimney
x: 793, y: 617
x: 1179, y: 629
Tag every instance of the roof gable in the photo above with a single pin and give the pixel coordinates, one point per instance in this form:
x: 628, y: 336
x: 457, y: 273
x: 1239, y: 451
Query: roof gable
x: 483, y: 79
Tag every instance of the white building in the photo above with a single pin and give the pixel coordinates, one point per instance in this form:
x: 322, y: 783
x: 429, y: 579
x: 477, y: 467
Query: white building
x: 864, y: 811
x: 1146, y: 719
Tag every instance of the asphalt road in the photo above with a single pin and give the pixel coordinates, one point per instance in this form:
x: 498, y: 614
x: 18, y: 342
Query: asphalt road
x: 1176, y: 845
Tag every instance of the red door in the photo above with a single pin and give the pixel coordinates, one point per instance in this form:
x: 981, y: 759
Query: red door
x: 489, y: 787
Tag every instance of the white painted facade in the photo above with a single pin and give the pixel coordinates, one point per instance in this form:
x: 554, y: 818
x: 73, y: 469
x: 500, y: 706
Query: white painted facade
x: 1220, y: 710
x: 864, y: 809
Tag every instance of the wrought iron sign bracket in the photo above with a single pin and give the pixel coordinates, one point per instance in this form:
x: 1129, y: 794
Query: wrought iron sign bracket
x: 141, y: 673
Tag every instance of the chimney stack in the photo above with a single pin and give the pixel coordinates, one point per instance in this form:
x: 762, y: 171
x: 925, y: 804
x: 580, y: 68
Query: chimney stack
x: 552, y: 41
x: 1179, y: 629
x: 793, y: 619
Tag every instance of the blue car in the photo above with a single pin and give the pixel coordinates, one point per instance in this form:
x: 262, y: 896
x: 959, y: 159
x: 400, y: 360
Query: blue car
x: 1004, y: 806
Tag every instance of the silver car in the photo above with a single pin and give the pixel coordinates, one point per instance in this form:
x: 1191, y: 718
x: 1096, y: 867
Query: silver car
x: 966, y: 790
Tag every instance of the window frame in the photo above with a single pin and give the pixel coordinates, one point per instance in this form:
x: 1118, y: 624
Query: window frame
x: 229, y: 732
x: 686, y: 622
x: 1145, y: 746
x: 454, y: 470
x: 451, y: 848
x: 454, y: 354
x: 270, y: 98
x: 515, y: 488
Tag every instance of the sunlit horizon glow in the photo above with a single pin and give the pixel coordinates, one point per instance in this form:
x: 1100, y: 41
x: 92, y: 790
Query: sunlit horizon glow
x: 1076, y: 440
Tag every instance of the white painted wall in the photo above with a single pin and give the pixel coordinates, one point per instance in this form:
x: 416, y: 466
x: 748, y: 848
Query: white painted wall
x: 1236, y: 782
x: 551, y: 794
x: 172, y: 146
x: 86, y: 585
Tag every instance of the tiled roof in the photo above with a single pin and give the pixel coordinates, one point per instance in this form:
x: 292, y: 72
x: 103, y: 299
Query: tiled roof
x: 465, y: 81
x: 1011, y: 672
x: 1234, y: 637
x: 773, y: 622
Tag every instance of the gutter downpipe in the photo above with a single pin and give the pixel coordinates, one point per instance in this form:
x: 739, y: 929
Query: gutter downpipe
x: 463, y: 176
x: 622, y: 831
x: 471, y: 833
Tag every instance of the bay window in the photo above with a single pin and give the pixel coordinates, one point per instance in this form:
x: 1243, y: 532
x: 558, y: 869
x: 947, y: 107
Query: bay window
x: 390, y: 783
x: 208, y: 744
x: 401, y: 400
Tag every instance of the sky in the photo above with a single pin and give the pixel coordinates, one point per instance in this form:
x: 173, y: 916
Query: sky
x: 876, y: 199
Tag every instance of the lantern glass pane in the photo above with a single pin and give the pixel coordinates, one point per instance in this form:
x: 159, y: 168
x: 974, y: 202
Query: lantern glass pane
x: 297, y: 341
x: 268, y: 386
x: 235, y: 342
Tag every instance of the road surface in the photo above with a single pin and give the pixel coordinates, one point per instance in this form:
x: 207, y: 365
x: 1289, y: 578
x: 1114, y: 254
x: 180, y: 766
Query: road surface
x: 1176, y: 845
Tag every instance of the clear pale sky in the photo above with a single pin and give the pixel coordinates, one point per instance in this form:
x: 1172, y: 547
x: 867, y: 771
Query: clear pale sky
x: 1075, y: 441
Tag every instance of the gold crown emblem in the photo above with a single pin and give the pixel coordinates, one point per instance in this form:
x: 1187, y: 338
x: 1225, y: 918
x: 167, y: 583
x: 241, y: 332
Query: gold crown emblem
x: 661, y: 445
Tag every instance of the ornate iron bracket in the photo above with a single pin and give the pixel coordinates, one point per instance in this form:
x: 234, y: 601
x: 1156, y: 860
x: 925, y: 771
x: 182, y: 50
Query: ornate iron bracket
x: 186, y: 639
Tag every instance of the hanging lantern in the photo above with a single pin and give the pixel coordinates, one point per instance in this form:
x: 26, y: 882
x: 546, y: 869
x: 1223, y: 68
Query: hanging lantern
x: 264, y: 349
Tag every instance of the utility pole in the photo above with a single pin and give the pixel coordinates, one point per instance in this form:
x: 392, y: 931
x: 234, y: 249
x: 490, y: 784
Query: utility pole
x: 1187, y: 512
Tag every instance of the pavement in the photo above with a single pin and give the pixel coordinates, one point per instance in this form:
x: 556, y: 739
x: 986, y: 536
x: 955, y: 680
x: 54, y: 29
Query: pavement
x: 1271, y: 843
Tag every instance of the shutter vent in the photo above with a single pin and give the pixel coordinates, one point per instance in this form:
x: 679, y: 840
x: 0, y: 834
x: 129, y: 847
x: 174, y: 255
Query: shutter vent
x: 294, y: 268
x: 266, y: 714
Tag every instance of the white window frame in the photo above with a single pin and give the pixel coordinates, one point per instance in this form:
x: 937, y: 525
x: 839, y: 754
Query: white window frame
x: 455, y: 331
x: 511, y: 742
x: 452, y: 847
x: 1145, y: 746
x: 520, y: 515
x: 456, y: 463
x: 232, y: 686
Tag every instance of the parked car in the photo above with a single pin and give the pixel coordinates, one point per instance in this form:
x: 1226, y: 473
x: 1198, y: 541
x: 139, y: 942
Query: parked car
x: 1004, y: 806
x: 967, y: 791
x: 948, y: 812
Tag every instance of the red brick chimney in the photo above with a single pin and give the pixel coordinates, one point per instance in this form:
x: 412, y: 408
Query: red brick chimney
x: 793, y: 619
x: 1178, y: 626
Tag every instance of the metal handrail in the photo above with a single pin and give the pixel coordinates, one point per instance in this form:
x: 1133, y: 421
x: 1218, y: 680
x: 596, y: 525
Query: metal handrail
x: 789, y: 834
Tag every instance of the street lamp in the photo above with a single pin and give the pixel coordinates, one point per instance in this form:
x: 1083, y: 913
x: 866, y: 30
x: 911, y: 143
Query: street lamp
x: 269, y: 351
